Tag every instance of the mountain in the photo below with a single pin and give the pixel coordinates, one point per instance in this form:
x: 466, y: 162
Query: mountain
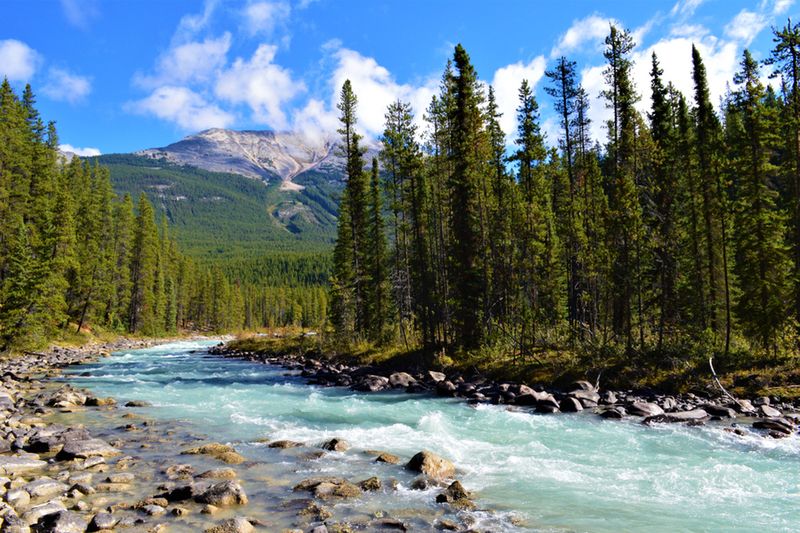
x: 233, y: 193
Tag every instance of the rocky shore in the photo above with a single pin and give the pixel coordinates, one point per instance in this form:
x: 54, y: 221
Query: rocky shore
x: 768, y: 416
x: 74, y: 462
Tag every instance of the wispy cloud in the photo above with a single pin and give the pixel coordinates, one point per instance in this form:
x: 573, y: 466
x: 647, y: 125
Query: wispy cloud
x: 65, y: 86
x: 80, y: 13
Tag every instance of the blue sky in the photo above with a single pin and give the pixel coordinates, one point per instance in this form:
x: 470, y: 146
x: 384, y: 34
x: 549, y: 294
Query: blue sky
x: 119, y: 76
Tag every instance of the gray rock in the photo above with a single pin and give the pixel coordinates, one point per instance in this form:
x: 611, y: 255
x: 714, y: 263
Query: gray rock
x: 719, y: 410
x: 232, y: 525
x: 18, y: 498
x: 154, y: 510
x: 102, y: 521
x: 585, y: 395
x: 14, y: 464
x: 83, y: 449
x: 644, y: 409
x: 437, y: 376
x: 33, y: 514
x: 401, y: 380
x: 679, y: 416
x: 769, y: 411
x: 372, y: 383
x: 223, y: 494
x: 609, y: 398
x: 62, y: 522
x: 45, y: 487
x: 780, y: 425
x: 336, y: 445
x: 571, y: 405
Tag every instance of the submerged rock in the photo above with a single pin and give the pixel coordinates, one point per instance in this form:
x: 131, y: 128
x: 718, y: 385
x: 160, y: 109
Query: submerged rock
x: 222, y: 452
x: 223, y: 494
x: 283, y: 444
x: 336, y: 445
x: 62, y: 522
x: 232, y: 525
x: 432, y: 465
x: 83, y: 449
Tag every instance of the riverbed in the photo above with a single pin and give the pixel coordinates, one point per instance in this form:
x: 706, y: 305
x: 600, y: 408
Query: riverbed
x: 564, y: 472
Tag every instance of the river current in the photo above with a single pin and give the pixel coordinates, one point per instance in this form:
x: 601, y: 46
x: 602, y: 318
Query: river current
x: 567, y: 472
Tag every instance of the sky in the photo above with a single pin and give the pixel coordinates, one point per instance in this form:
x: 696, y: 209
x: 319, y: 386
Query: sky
x: 120, y: 76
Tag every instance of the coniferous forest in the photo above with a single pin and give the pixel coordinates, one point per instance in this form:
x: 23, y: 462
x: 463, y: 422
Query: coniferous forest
x: 677, y: 233
x: 74, y: 256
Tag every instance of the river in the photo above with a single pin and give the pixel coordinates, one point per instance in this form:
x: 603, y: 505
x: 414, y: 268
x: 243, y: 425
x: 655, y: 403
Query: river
x: 568, y: 472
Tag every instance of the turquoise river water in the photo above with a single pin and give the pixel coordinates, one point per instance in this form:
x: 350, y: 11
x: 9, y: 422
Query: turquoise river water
x: 551, y: 472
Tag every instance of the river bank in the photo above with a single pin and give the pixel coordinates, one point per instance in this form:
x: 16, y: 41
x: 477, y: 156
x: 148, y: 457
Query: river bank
x: 772, y: 417
x: 75, y: 461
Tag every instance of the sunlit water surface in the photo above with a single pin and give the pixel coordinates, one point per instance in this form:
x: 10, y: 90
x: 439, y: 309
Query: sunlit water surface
x: 555, y: 472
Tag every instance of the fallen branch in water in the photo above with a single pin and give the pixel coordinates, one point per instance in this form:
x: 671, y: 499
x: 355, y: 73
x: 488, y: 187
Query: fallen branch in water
x: 716, y: 380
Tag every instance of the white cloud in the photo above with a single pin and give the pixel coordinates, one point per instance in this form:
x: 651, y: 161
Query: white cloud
x: 64, y: 86
x: 261, y: 84
x: 183, y: 107
x: 376, y: 88
x: 190, y: 25
x: 82, y: 152
x: 189, y: 62
x: 781, y: 6
x: 80, y: 13
x: 506, y: 83
x: 315, y: 121
x: 745, y: 26
x: 18, y: 61
x: 263, y: 17
x: 685, y: 8
x: 593, y: 28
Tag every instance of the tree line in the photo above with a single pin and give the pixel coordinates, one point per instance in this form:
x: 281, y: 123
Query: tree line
x: 680, y: 232
x: 72, y: 254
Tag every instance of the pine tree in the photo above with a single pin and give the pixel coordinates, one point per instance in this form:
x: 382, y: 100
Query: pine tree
x: 377, y: 260
x: 785, y: 57
x: 541, y: 270
x: 713, y: 205
x: 469, y: 279
x: 763, y: 258
x: 625, y: 217
x: 144, y: 265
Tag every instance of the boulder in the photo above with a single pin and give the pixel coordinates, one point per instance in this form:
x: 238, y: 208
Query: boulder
x: 608, y: 398
x: 45, y: 487
x: 36, y: 512
x: 283, y: 444
x: 222, y: 452
x: 384, y: 457
x: 401, y: 380
x: 436, y: 376
x: 584, y: 385
x: 223, y: 494
x: 179, y: 472
x: 571, y: 405
x: 644, y: 409
x: 585, y: 395
x: 14, y: 464
x: 446, y: 388
x: 371, y: 484
x: 615, y: 413
x: 336, y: 445
x: 218, y: 473
x: 780, y: 425
x: 680, y: 416
x: 327, y: 487
x: 744, y: 407
x: 371, y: 383
x: 769, y: 411
x: 102, y: 521
x: 232, y: 525
x: 83, y: 449
x: 62, y: 522
x: 138, y: 403
x: 432, y: 465
x: 719, y: 410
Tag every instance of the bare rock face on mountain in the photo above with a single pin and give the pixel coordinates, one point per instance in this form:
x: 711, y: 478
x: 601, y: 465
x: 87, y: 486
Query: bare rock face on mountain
x: 265, y: 155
